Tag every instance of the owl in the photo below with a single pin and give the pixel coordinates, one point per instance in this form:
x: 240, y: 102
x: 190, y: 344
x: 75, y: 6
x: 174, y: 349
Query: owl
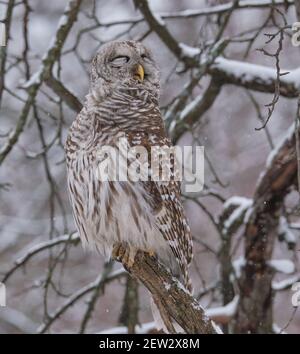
x: 147, y: 214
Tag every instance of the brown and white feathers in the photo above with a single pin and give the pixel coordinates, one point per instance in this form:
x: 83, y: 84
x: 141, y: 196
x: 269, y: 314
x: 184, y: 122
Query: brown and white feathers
x: 146, y: 215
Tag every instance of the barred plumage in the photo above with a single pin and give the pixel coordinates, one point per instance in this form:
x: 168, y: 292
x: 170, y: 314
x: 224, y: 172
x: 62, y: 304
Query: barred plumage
x: 146, y: 215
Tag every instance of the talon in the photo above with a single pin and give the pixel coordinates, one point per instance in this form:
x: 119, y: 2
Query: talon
x: 129, y: 257
x: 151, y: 252
x: 118, y: 251
x: 124, y: 254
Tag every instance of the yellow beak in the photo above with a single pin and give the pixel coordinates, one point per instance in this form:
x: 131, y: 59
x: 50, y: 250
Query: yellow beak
x: 139, y: 73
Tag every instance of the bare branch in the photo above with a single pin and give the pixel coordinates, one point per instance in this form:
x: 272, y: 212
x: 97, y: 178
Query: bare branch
x: 39, y: 248
x: 62, y: 92
x: 3, y: 50
x: 78, y: 295
x: 65, y: 25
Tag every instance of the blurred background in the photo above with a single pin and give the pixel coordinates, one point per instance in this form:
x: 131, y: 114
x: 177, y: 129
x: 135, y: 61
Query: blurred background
x: 56, y: 286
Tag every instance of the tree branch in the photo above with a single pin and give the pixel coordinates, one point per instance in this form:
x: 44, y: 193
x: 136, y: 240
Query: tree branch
x: 208, y: 11
x: 255, y: 77
x: 65, y: 24
x: 3, y: 50
x: 158, y: 26
x: 177, y: 303
x: 255, y: 308
x: 191, y: 114
x: 62, y: 92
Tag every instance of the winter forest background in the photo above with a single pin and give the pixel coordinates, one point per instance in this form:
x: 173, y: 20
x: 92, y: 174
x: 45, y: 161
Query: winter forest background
x: 222, y: 87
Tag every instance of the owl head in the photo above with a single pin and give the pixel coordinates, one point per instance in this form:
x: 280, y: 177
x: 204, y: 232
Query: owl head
x: 121, y: 64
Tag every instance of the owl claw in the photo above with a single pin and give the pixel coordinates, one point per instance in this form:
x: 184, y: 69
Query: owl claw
x: 118, y: 251
x: 151, y: 252
x: 129, y: 257
x: 125, y: 254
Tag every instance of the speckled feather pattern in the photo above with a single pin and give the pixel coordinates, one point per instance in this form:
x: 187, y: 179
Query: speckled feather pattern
x: 146, y: 214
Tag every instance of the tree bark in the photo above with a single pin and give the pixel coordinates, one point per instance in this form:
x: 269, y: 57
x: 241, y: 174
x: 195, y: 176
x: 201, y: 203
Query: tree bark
x: 254, y: 313
x: 177, y: 304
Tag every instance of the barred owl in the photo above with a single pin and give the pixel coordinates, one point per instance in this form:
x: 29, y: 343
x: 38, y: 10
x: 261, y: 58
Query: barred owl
x: 142, y: 215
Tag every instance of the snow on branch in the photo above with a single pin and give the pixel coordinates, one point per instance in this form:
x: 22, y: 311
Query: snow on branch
x: 285, y: 233
x: 224, y: 314
x: 32, y: 251
x: 194, y: 110
x: 284, y: 266
x: 206, y: 11
x: 256, y: 77
x: 235, y: 209
x: 156, y: 24
x: 100, y: 282
x: 285, y: 284
x: 223, y: 8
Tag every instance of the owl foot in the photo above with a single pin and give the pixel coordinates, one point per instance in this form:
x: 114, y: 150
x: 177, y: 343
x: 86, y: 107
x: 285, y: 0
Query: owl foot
x: 151, y: 252
x: 125, y: 254
x: 118, y: 251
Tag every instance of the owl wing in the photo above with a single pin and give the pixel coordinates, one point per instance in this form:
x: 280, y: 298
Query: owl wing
x: 164, y: 200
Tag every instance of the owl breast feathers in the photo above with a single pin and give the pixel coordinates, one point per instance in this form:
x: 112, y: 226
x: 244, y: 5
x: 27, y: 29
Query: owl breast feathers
x: 146, y: 214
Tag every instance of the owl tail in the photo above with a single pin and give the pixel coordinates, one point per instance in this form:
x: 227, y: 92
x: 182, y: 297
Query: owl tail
x: 159, y: 323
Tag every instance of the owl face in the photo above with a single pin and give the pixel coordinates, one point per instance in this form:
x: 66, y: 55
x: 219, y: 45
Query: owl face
x: 125, y: 63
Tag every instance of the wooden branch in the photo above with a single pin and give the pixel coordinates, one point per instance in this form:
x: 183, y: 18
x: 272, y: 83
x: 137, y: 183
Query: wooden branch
x: 224, y: 8
x: 62, y: 92
x: 3, y: 50
x: 43, y: 73
x: 201, y: 105
x: 254, y: 313
x: 170, y: 296
x: 99, y: 282
x: 255, y: 77
x: 157, y: 25
x: 206, y: 11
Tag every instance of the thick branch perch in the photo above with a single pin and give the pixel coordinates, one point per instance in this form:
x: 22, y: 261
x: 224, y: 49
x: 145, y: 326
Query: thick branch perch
x: 176, y: 301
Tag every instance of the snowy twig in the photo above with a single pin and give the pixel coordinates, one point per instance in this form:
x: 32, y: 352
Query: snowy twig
x: 44, y: 71
x: 78, y: 295
x: 203, y: 12
x: 158, y: 26
x: 3, y: 50
x: 39, y: 248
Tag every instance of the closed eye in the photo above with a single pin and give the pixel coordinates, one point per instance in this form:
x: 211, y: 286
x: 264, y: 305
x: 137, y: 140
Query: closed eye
x: 120, y: 60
